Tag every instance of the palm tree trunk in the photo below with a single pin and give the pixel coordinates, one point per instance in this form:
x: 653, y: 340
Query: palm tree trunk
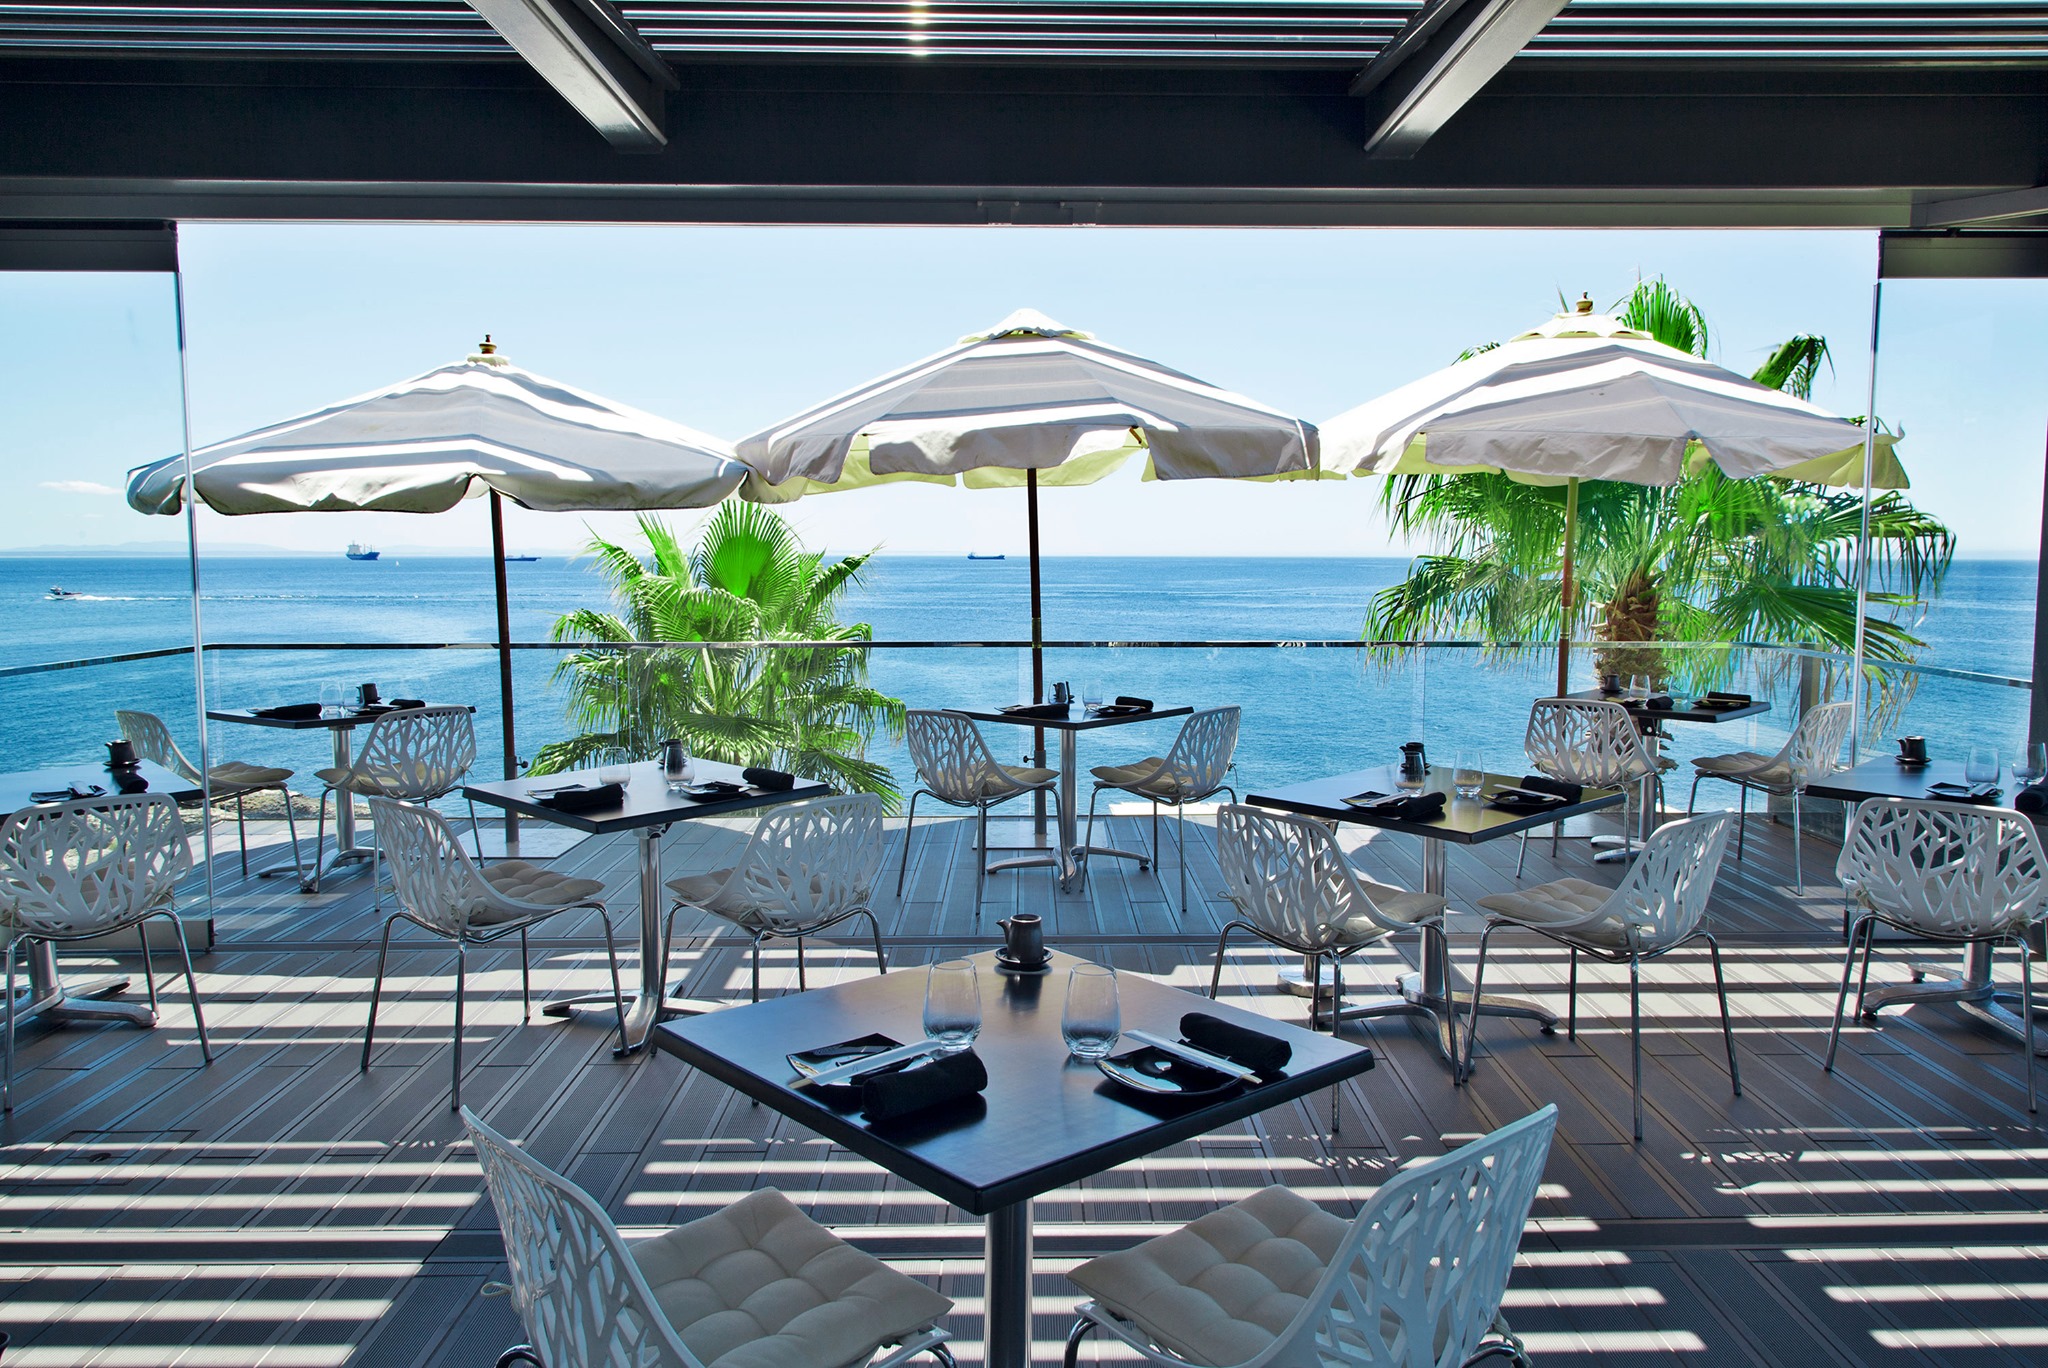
x: 1564, y: 631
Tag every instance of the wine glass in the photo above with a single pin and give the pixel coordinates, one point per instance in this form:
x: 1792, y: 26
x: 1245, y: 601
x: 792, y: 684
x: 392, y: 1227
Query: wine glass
x: 1468, y: 773
x: 1091, y: 1021
x: 952, y: 1005
x: 1980, y: 766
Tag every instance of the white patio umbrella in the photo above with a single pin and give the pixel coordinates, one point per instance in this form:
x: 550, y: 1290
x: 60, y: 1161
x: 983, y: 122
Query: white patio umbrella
x: 1028, y: 402
x: 484, y: 427
x: 1586, y: 396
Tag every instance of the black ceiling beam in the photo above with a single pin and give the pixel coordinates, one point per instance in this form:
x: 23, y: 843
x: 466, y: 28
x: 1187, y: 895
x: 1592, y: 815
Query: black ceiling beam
x: 1995, y: 208
x: 594, y: 59
x: 1618, y: 145
x: 1436, y: 64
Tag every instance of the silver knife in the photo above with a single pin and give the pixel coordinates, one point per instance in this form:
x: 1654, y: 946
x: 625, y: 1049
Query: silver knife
x: 842, y: 1073
x: 1194, y: 1056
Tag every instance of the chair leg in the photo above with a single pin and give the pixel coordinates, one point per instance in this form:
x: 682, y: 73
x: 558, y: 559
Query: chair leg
x: 519, y: 1353
x: 1216, y: 975
x: 7, y: 1069
x: 611, y: 954
x: 1798, y: 869
x: 1727, y: 1025
x: 242, y: 835
x: 1180, y: 841
x: 475, y: 832
x: 1741, y: 816
x: 909, y: 821
x: 1088, y: 840
x: 1863, y: 979
x: 148, y: 969
x: 525, y: 979
x: 1336, y: 1026
x: 1635, y: 1036
x: 803, y: 983
x: 291, y: 825
x: 875, y: 933
x: 310, y: 883
x: 1571, y: 1003
x: 377, y: 989
x: 758, y: 938
x: 980, y: 859
x: 1693, y: 797
x: 1523, y: 857
x: 1082, y: 1329
x: 191, y: 981
x: 2027, y: 1016
x: 461, y: 978
x: 1842, y: 994
x: 1462, y: 1071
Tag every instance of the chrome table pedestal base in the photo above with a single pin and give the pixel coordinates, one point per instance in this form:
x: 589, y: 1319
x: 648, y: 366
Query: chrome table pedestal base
x: 1981, y: 1000
x: 650, y: 1003
x: 1007, y: 1285
x: 45, y: 995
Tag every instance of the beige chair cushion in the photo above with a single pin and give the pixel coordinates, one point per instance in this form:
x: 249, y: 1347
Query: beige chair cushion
x: 1398, y: 904
x: 538, y: 886
x: 1024, y: 776
x: 1221, y: 1289
x: 1560, y: 903
x: 761, y: 1285
x: 232, y: 776
x: 1132, y: 778
x: 1758, y: 769
x: 709, y: 892
x: 382, y: 783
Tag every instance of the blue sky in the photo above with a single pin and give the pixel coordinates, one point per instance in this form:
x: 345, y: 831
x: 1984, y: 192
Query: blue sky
x: 728, y: 329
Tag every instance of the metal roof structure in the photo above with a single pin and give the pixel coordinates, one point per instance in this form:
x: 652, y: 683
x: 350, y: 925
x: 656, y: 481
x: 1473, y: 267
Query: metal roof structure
x: 1879, y: 113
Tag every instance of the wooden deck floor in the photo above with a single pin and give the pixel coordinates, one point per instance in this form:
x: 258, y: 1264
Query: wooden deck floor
x: 282, y: 1208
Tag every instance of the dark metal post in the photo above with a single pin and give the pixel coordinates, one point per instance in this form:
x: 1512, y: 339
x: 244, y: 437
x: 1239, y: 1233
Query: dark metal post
x: 2037, y: 710
x: 1037, y: 649
x: 504, y: 658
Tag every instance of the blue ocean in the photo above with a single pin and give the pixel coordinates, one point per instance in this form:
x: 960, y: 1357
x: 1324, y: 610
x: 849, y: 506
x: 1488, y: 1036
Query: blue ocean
x: 1308, y: 709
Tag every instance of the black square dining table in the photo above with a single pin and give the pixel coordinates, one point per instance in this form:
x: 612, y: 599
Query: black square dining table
x: 1045, y: 1121
x: 646, y: 809
x: 1433, y: 991
x: 1070, y: 860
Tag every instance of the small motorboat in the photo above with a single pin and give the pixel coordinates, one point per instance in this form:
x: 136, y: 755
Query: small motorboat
x: 57, y: 591
x: 976, y: 555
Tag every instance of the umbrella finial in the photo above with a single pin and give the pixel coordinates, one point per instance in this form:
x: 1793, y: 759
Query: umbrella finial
x: 486, y: 354
x: 1585, y: 306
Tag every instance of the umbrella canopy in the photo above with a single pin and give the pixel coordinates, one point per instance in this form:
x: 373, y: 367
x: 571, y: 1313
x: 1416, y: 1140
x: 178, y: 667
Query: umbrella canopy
x: 426, y: 444
x: 1586, y: 396
x: 1027, y: 402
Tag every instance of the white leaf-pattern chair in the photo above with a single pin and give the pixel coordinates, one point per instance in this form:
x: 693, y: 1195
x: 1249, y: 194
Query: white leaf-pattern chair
x: 587, y: 1299
x: 1192, y: 771
x: 229, y: 779
x: 1293, y: 888
x: 441, y: 890
x: 1813, y: 751
x: 1415, y: 1280
x: 1951, y: 873
x: 1659, y: 907
x: 808, y: 867
x: 71, y: 871
x: 415, y: 755
x: 955, y: 766
x: 1594, y: 744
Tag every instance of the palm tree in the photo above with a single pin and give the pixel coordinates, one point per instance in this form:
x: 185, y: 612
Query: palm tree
x: 1709, y: 559
x: 712, y: 675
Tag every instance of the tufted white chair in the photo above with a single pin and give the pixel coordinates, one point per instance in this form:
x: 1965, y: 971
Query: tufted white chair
x: 1658, y: 908
x: 808, y: 867
x: 1813, y: 751
x: 70, y: 871
x: 1415, y: 1280
x: 954, y: 765
x: 229, y: 779
x: 1193, y: 770
x: 1579, y: 741
x: 415, y: 755
x: 441, y: 890
x: 1952, y: 873
x: 757, y: 1285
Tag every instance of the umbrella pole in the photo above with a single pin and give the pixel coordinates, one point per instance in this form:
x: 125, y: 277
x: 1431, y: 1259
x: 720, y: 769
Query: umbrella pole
x: 1037, y: 647
x: 1570, y: 591
x: 504, y: 659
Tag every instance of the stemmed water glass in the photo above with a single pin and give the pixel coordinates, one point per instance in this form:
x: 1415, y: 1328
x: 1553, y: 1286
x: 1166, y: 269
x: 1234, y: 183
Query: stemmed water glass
x: 952, y: 1004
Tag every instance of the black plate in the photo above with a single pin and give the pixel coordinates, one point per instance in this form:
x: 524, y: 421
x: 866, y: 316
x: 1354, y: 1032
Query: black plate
x: 1006, y: 965
x: 1523, y: 800
x: 1154, y: 1071
x: 715, y: 788
x: 1117, y: 710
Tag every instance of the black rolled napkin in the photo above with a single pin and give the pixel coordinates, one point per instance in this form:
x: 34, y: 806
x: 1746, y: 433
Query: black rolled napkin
x: 1238, y: 1044
x: 1717, y: 696
x: 289, y: 712
x: 1543, y: 783
x: 2033, y: 798
x: 408, y: 702
x: 886, y: 1096
x: 584, y: 799
x: 768, y: 780
x: 1046, y: 710
x: 1411, y: 807
x: 1127, y: 701
x: 1658, y: 702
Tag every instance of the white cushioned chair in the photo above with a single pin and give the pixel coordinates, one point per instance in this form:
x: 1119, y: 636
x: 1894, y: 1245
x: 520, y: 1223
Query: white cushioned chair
x: 415, y: 755
x: 228, y: 779
x: 955, y: 766
x: 757, y: 1285
x: 809, y: 866
x: 1415, y: 1280
x: 1657, y: 909
x: 1950, y: 873
x: 1192, y: 771
x: 1813, y: 751
x: 443, y: 891
x: 71, y: 871
x: 1595, y: 745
